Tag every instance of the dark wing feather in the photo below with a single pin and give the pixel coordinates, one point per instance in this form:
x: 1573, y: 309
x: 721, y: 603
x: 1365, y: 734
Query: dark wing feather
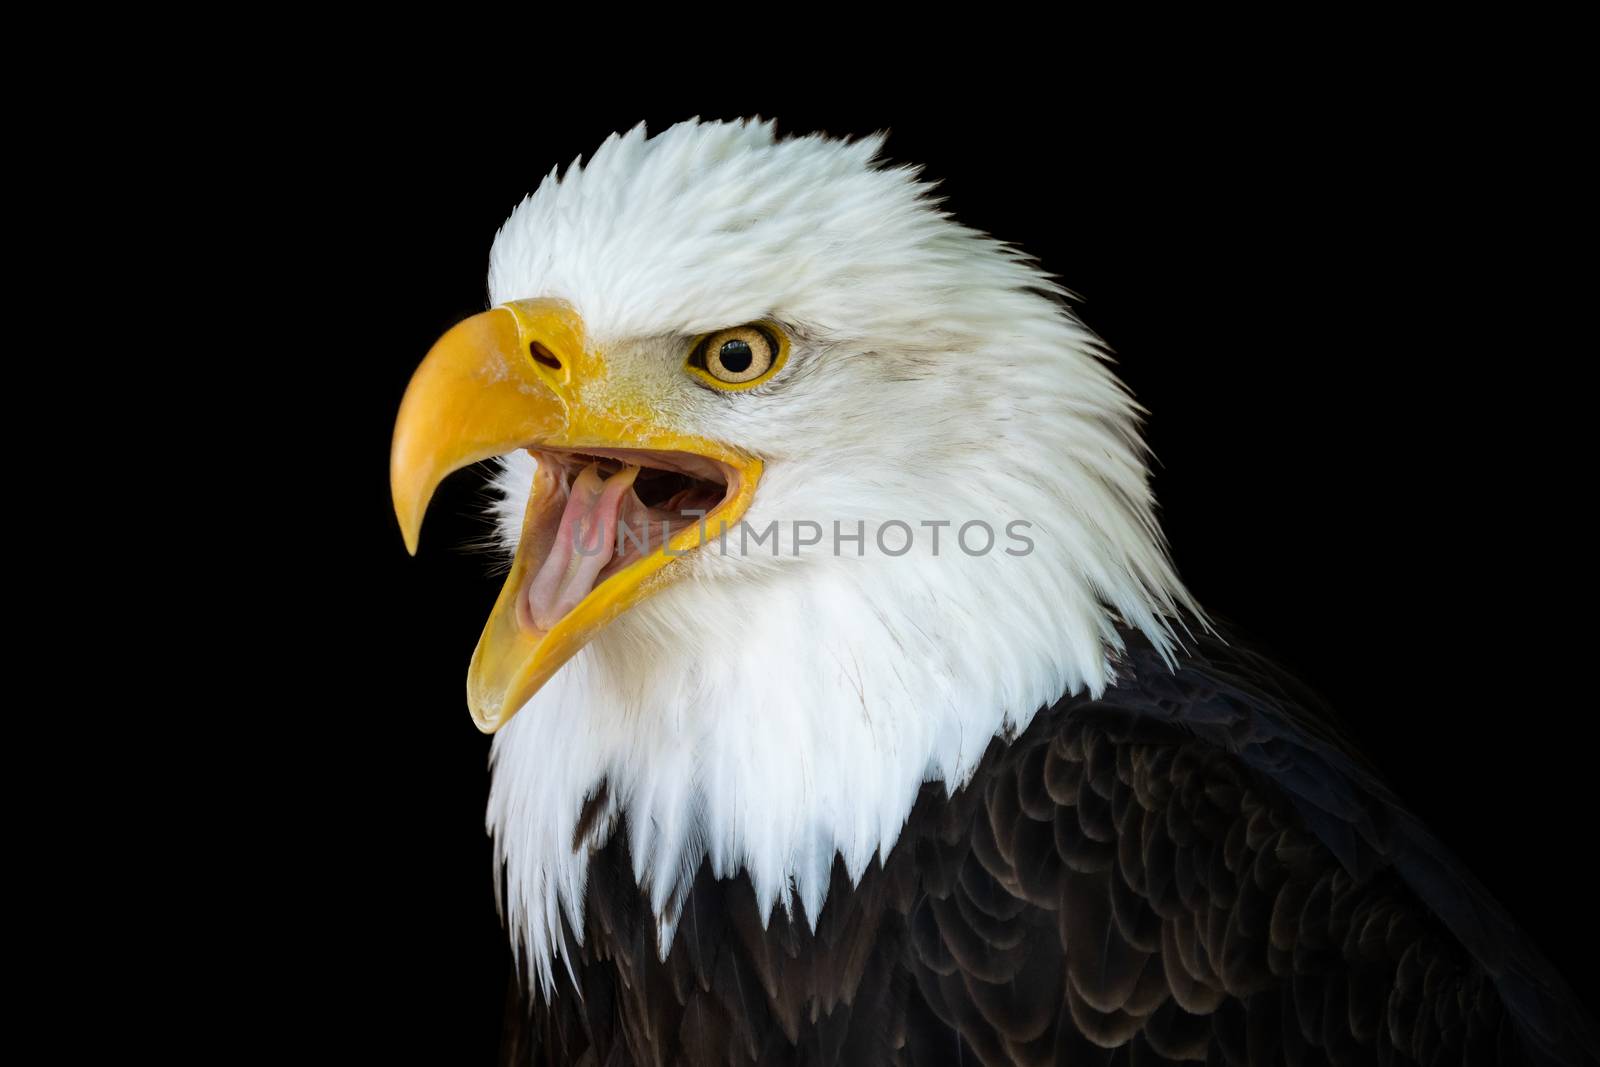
x: 1194, y: 868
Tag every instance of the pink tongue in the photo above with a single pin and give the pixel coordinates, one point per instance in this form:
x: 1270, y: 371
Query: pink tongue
x: 585, y: 541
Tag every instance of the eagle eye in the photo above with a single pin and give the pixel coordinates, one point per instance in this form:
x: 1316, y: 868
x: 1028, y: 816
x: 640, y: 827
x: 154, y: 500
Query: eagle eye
x: 739, y: 358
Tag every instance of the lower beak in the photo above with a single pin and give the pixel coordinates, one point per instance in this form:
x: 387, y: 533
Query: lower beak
x: 523, y: 376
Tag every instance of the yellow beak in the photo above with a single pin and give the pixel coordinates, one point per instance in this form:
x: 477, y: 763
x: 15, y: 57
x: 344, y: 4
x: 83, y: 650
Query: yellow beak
x: 523, y: 376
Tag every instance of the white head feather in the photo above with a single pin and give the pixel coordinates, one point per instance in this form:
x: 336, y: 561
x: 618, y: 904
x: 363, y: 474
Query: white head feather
x: 768, y: 712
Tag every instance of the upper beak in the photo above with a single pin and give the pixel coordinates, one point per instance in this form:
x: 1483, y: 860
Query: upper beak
x: 522, y: 375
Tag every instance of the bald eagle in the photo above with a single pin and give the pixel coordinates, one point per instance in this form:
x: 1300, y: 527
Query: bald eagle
x: 847, y: 706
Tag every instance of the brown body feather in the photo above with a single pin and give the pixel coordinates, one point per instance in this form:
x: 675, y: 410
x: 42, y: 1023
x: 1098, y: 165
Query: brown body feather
x: 1193, y: 869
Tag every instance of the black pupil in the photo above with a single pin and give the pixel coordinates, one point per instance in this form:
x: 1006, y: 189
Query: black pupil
x: 735, y: 356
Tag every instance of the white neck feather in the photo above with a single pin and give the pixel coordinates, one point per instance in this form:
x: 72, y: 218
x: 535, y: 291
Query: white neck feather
x: 802, y: 721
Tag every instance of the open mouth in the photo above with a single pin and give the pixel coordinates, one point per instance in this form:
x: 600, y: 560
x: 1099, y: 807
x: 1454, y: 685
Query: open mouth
x: 620, y: 492
x: 617, y: 506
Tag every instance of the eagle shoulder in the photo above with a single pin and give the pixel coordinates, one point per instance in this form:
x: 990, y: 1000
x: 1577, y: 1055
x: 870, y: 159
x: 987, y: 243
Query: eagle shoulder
x: 1198, y: 866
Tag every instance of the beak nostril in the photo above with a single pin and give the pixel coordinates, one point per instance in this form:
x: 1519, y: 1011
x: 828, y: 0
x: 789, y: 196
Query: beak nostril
x: 543, y: 355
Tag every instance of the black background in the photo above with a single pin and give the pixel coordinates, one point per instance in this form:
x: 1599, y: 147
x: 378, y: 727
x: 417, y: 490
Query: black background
x: 1321, y: 290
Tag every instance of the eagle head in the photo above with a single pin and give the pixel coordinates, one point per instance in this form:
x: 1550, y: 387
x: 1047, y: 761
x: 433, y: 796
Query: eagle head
x: 810, y: 491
